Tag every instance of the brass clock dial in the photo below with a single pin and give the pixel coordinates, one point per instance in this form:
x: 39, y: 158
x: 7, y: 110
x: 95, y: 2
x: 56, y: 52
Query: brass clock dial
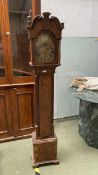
x: 44, y: 49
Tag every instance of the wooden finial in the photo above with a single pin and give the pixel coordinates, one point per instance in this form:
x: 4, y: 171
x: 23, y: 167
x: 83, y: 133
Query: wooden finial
x: 29, y: 18
x: 46, y: 14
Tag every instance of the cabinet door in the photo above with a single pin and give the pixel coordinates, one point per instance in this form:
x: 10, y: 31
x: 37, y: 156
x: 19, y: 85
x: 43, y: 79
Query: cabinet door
x: 5, y: 113
x: 2, y: 68
x: 3, y: 49
x: 18, y: 12
x: 22, y: 109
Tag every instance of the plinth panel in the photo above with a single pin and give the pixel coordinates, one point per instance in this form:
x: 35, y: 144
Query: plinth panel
x: 44, y: 151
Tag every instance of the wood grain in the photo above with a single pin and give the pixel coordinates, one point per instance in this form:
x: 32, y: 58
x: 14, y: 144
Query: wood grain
x: 16, y: 92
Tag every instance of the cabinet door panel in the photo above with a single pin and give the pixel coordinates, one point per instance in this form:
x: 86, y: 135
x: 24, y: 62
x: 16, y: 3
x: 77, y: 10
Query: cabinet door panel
x: 18, y: 12
x: 22, y: 99
x: 2, y: 66
x: 24, y: 102
x: 5, y: 114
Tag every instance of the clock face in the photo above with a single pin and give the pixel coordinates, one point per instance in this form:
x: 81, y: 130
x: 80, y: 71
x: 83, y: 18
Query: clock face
x: 44, y: 51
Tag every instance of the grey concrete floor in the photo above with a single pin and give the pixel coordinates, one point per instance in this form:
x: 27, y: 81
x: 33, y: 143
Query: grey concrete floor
x: 76, y: 158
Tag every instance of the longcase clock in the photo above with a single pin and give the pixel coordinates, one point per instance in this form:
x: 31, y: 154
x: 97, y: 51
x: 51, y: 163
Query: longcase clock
x: 45, y: 36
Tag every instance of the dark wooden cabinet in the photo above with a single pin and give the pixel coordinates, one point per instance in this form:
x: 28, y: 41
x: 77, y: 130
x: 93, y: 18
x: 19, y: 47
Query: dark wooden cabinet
x: 16, y: 77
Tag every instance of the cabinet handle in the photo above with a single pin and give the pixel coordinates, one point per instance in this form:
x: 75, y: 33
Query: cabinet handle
x: 7, y: 33
x: 14, y: 88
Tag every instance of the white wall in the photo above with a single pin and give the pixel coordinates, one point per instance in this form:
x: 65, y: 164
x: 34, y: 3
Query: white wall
x: 79, y: 57
x: 79, y: 48
x: 80, y: 16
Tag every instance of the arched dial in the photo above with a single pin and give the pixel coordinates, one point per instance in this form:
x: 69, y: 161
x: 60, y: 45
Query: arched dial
x: 44, y: 51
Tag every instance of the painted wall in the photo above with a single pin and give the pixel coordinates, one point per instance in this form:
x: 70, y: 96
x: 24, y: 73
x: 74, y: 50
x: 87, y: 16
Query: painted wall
x: 79, y: 49
x: 80, y: 16
x: 79, y: 56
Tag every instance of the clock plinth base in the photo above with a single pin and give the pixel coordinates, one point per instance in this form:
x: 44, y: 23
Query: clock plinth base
x: 44, y: 151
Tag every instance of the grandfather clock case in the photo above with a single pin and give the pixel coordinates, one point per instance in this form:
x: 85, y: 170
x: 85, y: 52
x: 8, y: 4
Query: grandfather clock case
x: 45, y: 36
